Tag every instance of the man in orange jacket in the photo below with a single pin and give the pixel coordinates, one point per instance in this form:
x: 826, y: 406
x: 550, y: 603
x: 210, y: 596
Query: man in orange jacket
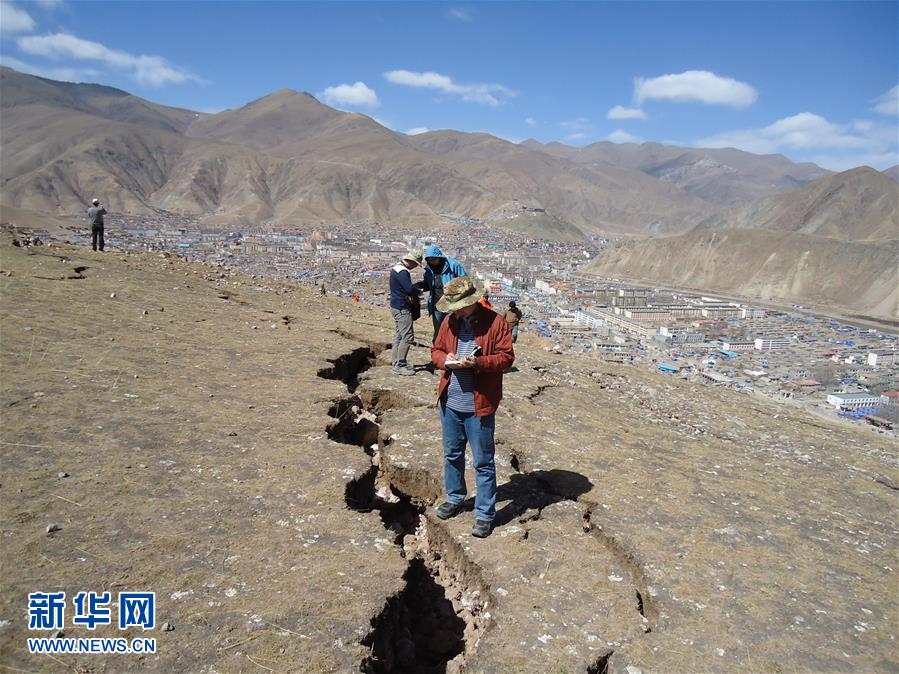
x: 473, y: 348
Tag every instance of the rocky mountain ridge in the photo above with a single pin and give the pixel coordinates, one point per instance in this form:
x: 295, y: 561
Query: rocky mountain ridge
x: 286, y: 158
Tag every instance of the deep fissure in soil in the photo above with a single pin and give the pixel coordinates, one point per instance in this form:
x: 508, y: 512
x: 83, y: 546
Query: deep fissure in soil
x: 420, y: 629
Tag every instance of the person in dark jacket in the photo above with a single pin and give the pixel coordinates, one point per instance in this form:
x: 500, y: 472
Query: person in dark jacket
x: 95, y: 214
x: 439, y: 271
x: 513, y: 318
x: 405, y: 307
x: 473, y: 348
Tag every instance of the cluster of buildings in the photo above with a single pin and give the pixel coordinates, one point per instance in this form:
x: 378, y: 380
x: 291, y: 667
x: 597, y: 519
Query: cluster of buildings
x: 807, y: 360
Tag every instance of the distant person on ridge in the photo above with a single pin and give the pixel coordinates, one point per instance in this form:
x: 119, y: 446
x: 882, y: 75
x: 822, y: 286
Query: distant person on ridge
x: 513, y: 318
x: 473, y: 348
x: 95, y: 214
x: 439, y: 271
x: 405, y: 307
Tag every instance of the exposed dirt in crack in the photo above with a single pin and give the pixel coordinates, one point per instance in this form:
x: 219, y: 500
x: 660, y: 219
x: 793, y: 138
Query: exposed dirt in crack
x: 436, y: 621
x: 348, y: 366
x: 540, y: 389
x: 629, y: 564
x: 379, y: 401
x: 418, y: 630
x: 886, y: 482
x: 547, y: 487
x: 601, y: 665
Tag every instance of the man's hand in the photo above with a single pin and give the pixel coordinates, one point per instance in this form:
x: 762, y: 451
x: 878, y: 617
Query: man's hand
x: 465, y: 363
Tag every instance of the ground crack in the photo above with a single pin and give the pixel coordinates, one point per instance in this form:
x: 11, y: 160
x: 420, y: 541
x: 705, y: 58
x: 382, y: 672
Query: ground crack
x: 629, y: 564
x: 540, y: 389
x: 435, y: 622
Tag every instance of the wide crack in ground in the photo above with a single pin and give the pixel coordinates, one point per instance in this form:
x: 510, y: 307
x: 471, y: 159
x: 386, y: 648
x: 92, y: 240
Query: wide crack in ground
x: 437, y: 619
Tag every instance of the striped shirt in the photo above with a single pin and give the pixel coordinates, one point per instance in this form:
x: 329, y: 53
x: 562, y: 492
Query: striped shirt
x: 460, y: 393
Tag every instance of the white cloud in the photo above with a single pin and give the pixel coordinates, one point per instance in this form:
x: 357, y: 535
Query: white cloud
x: 355, y: 95
x: 620, y: 112
x: 63, y: 74
x: 530, y: 121
x: 699, y: 86
x: 888, y: 103
x: 810, y: 137
x: 579, y: 124
x: 146, y: 69
x: 15, y: 20
x: 491, y: 94
x: 461, y: 14
x: 622, y: 136
x: 578, y: 135
x: 417, y: 130
x: 803, y: 131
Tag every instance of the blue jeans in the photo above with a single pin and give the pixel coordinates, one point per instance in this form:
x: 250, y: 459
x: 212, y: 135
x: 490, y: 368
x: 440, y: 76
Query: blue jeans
x: 459, y: 428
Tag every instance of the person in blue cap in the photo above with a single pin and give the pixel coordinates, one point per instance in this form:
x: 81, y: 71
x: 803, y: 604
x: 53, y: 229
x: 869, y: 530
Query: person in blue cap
x: 439, y: 270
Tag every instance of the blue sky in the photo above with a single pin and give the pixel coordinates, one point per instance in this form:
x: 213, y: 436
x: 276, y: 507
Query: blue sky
x: 816, y: 81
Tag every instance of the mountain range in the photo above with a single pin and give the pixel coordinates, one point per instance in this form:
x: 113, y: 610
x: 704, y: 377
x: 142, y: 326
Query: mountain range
x: 705, y: 218
x: 288, y: 159
x: 833, y: 243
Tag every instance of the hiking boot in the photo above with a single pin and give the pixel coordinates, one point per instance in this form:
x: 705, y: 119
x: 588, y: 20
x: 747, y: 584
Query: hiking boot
x: 448, y: 509
x: 481, y: 528
x: 403, y: 369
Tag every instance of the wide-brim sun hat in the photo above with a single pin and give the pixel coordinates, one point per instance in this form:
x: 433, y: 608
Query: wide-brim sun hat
x: 413, y: 256
x: 458, y: 294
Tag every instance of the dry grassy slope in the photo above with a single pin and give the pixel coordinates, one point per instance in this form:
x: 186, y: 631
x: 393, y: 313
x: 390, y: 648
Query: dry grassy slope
x: 102, y: 101
x: 757, y: 536
x: 199, y: 463
x: 197, y: 459
x: 720, y: 176
x: 856, y: 205
x: 21, y: 218
x: 768, y: 265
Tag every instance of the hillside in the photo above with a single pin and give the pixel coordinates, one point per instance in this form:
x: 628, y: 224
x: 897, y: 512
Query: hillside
x: 724, y: 177
x: 470, y: 173
x: 184, y: 429
x: 22, y: 91
x: 857, y: 205
x: 832, y: 243
x: 286, y: 158
x: 767, y: 265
